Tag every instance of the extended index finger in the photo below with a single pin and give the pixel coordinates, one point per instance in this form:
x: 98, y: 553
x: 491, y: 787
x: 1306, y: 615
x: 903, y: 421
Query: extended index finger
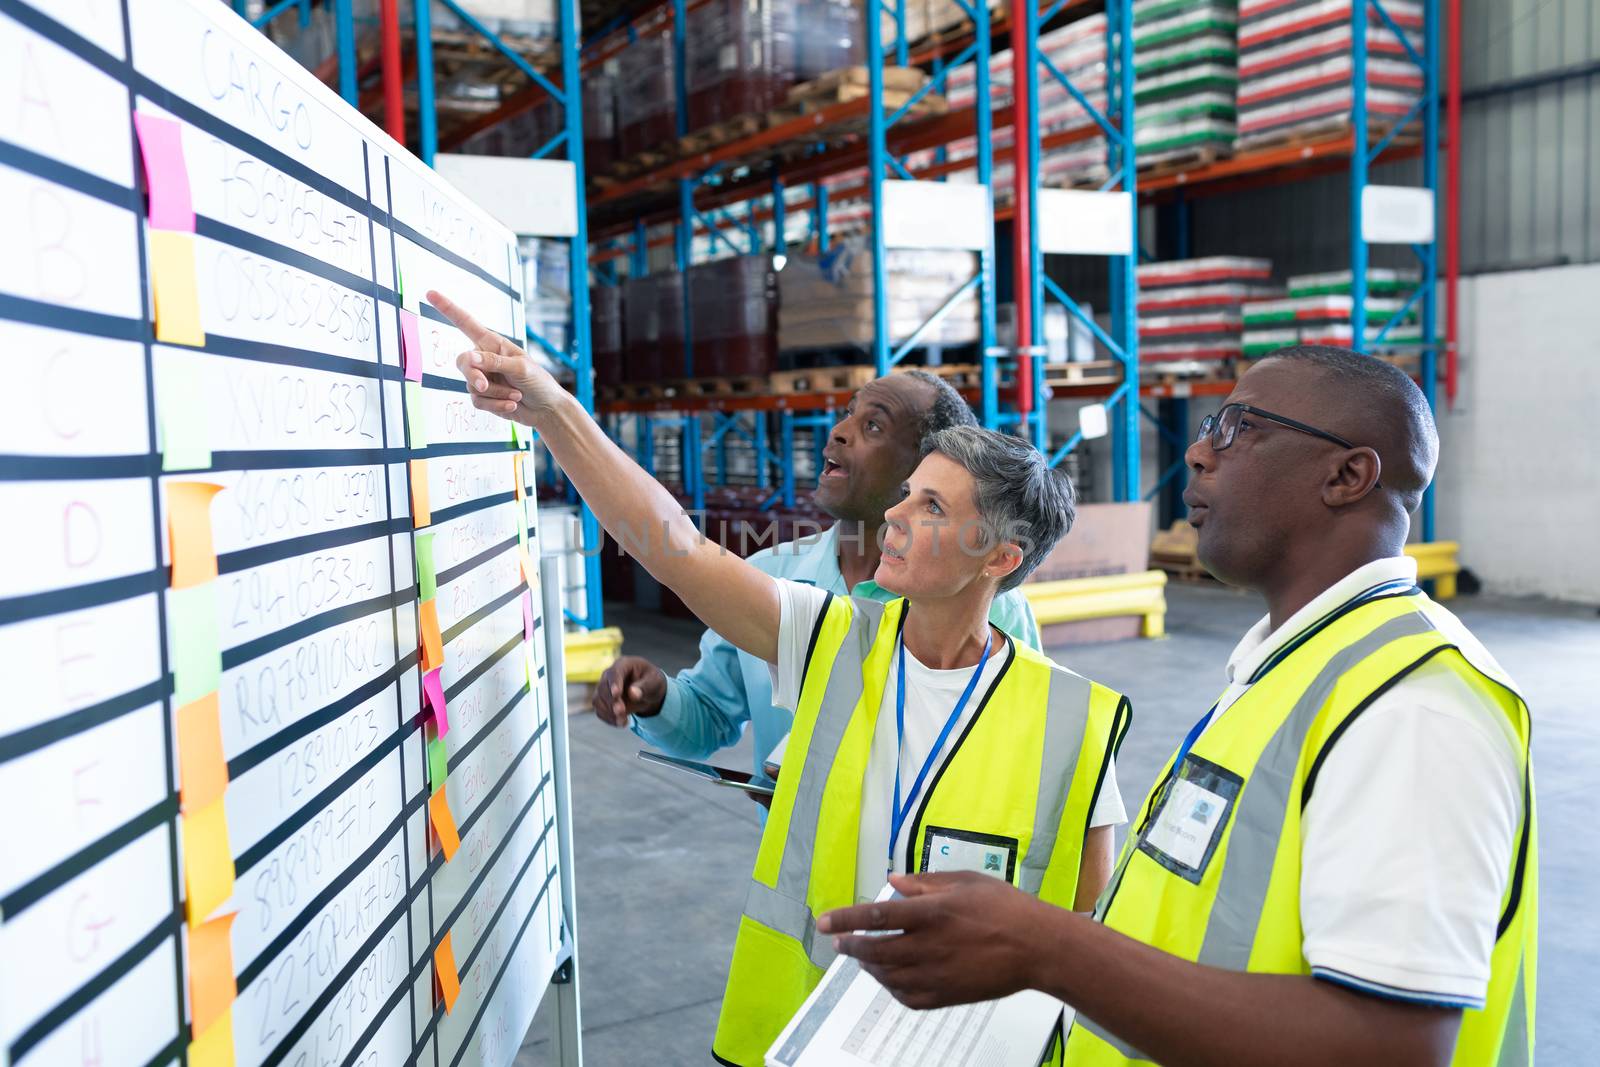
x: 879, y: 915
x: 480, y: 334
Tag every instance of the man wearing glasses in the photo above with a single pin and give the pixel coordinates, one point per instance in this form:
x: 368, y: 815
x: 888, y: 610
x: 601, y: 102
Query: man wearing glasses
x: 1339, y: 865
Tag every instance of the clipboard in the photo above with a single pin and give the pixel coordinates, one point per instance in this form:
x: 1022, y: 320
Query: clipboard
x: 722, y: 776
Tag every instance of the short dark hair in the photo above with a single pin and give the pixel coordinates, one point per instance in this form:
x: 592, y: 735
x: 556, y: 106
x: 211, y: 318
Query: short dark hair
x: 1388, y: 406
x: 949, y: 407
x: 1020, y: 497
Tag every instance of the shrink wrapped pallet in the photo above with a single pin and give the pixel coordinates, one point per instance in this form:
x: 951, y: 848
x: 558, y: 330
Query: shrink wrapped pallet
x: 1190, y: 311
x: 1186, y: 79
x: 734, y: 316
x: 646, y: 113
x: 826, y: 302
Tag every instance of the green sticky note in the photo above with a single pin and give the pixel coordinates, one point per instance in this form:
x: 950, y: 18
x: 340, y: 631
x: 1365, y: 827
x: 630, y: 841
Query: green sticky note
x: 522, y: 529
x: 438, y: 764
x: 181, y: 403
x: 400, y: 284
x: 521, y: 436
x: 415, y: 419
x: 195, y: 644
x: 427, y: 583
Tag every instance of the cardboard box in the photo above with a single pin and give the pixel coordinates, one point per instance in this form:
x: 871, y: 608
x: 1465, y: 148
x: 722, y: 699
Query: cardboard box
x: 1105, y: 539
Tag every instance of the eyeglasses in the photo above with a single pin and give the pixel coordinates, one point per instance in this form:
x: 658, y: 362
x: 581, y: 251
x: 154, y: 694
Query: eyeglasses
x: 1222, y: 427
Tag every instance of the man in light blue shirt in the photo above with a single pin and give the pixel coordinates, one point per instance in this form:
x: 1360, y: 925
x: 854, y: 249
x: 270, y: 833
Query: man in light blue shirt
x: 870, y: 453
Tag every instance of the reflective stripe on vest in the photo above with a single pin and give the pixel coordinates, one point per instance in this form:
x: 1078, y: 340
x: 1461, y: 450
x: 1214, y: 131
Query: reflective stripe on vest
x: 1064, y: 725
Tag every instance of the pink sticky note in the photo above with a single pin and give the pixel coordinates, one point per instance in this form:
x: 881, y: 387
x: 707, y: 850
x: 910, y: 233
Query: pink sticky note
x: 410, y: 346
x: 527, y: 614
x: 433, y: 697
x: 161, y: 147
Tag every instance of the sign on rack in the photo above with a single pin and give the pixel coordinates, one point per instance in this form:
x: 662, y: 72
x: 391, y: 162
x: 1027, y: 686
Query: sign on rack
x: 278, y: 740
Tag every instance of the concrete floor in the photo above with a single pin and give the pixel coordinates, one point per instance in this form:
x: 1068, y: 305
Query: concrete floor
x: 663, y: 861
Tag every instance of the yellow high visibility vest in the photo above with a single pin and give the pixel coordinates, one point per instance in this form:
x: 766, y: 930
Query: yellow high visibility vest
x: 1026, y: 770
x: 1230, y: 896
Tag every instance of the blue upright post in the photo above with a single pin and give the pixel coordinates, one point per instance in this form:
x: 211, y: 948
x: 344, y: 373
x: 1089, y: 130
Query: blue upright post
x: 1430, y: 259
x: 876, y: 162
x: 345, y: 41
x: 821, y: 217
x: 1358, y: 174
x: 1125, y: 279
x: 1038, y: 429
x: 780, y: 242
x: 427, y: 118
x: 987, y: 350
x: 582, y: 352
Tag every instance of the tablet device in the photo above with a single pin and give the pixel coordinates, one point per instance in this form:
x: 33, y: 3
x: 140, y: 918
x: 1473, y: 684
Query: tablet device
x: 715, y: 775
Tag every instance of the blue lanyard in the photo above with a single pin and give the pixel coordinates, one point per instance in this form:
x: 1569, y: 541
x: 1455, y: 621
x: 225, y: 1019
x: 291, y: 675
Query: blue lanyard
x: 1188, y: 742
x: 898, y: 813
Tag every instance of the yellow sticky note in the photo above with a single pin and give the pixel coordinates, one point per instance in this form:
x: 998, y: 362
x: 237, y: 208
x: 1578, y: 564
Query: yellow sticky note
x: 444, y: 972
x: 444, y: 824
x: 432, y: 640
x: 421, y: 513
x: 214, y: 1048
x: 194, y: 557
x: 530, y: 573
x: 416, y: 417
x: 202, y: 768
x: 207, y: 861
x: 212, y: 984
x: 177, y: 291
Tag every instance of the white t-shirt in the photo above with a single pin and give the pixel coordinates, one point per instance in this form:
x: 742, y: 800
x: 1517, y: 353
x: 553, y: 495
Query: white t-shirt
x: 930, y: 697
x: 1408, y: 838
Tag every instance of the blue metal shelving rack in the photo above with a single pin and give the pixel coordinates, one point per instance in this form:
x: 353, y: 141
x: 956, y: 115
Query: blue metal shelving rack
x: 568, y: 97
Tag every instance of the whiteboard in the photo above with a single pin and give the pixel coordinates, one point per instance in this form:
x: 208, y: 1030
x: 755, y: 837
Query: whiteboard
x: 226, y: 841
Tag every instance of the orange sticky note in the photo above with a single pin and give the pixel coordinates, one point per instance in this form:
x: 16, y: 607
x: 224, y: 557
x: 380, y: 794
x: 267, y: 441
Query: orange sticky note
x: 214, y: 1047
x: 177, y: 291
x: 212, y: 985
x: 530, y: 574
x: 194, y: 559
x: 421, y: 513
x: 202, y: 768
x: 444, y: 972
x: 444, y: 824
x: 432, y: 642
x: 207, y: 861
x: 516, y: 467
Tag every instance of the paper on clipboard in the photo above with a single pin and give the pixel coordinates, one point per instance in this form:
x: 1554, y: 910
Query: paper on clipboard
x: 851, y: 1021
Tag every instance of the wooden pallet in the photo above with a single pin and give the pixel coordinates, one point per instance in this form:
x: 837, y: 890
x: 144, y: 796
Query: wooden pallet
x: 1188, y: 159
x: 734, y: 386
x: 636, y: 391
x: 1096, y: 372
x: 959, y: 375
x: 722, y: 133
x: 821, y: 380
x: 895, y: 79
x: 1332, y: 131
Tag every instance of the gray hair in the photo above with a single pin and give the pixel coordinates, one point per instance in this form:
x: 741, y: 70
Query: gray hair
x: 949, y: 407
x: 1020, y: 497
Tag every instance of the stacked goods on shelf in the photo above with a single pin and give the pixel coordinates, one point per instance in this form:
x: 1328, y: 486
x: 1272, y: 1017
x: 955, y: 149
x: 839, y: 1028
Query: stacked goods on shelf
x: 652, y: 313
x: 825, y: 302
x: 739, y: 58
x: 507, y: 19
x: 1185, y: 60
x: 311, y: 36
x: 734, y: 312
x: 1078, y: 50
x: 927, y: 18
x: 1317, y: 312
x: 828, y: 35
x: 600, y: 116
x: 1190, y: 310
x: 605, y: 333
x: 1295, y: 68
x: 646, y: 110
x: 547, y: 294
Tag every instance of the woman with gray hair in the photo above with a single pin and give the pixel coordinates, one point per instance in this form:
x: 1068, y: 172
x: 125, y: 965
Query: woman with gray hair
x: 923, y: 739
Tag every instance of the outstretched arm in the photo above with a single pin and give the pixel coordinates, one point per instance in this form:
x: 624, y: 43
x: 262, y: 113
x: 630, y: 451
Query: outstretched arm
x: 728, y: 594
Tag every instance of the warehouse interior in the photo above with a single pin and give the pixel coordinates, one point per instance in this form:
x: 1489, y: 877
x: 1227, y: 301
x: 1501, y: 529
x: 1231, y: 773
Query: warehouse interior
x: 1089, y: 217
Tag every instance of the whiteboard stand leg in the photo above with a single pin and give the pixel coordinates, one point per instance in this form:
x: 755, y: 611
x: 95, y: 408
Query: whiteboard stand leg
x: 568, y: 1037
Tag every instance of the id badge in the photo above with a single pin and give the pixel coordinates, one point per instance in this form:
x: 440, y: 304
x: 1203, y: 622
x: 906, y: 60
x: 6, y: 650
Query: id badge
x: 1187, y: 825
x: 946, y: 849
